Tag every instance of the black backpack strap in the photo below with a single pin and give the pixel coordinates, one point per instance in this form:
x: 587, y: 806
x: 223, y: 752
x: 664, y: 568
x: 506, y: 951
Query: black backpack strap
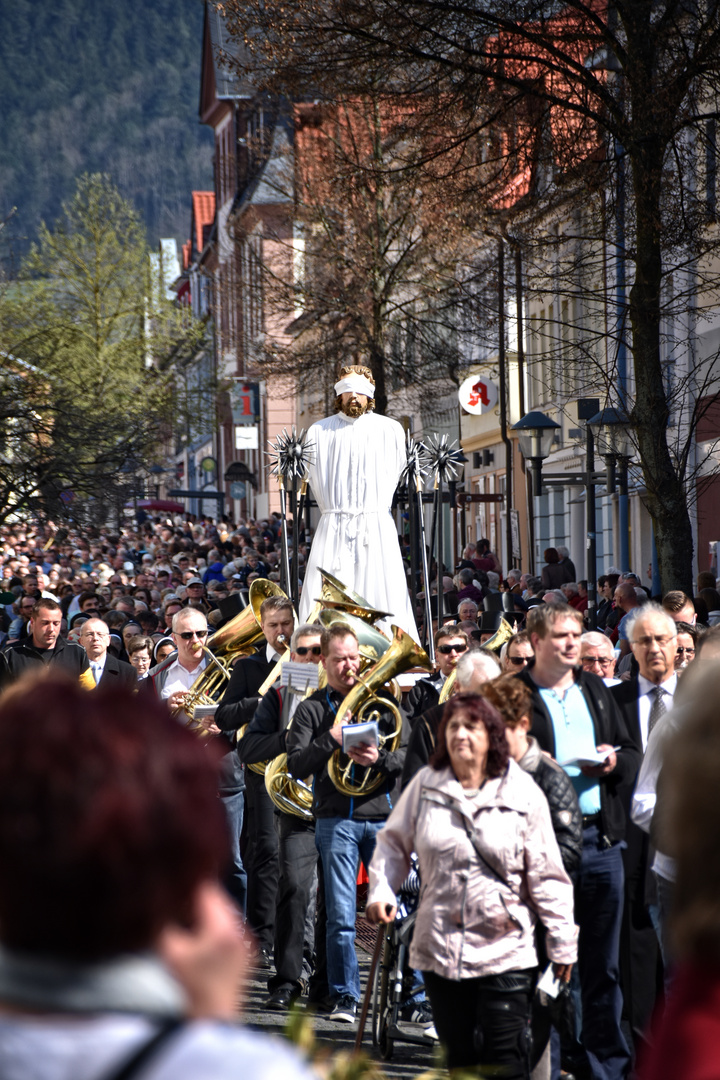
x: 129, y: 1068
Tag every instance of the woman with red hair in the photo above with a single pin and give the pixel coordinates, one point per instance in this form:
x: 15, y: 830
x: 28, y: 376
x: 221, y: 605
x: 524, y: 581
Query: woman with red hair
x: 118, y: 947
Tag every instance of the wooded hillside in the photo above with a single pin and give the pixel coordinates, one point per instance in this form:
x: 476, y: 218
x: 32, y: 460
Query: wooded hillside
x: 101, y: 86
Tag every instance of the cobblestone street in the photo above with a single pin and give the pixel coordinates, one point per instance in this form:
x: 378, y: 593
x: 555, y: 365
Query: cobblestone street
x: 407, y: 1060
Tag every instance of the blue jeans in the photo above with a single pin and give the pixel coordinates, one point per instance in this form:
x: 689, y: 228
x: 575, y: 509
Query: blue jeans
x: 342, y: 843
x: 235, y: 877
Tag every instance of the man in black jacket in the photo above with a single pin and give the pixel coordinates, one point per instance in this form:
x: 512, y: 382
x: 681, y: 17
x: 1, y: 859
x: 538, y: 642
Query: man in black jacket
x: 345, y: 826
x: 575, y: 719
x: 265, y: 740
x: 42, y: 646
x: 450, y: 645
x: 236, y: 709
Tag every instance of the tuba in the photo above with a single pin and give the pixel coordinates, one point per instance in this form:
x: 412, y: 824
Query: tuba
x: 236, y: 638
x: 402, y: 654
x: 291, y: 796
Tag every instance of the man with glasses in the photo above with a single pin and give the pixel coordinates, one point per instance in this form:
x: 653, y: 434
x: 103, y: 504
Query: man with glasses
x: 597, y: 655
x: 295, y: 936
x: 106, y: 669
x: 686, y: 645
x: 173, y: 678
x: 516, y: 653
x: 450, y: 644
x: 652, y: 633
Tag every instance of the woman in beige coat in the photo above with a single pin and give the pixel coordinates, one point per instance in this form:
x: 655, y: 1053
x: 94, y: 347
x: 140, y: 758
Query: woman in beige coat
x: 490, y: 867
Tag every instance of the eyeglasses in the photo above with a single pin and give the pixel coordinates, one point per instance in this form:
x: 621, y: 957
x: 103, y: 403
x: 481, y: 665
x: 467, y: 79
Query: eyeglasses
x: 447, y: 649
x: 518, y: 660
x: 92, y: 634
x: 603, y: 661
x: 188, y: 635
x: 303, y: 650
x: 684, y: 649
x: 646, y: 642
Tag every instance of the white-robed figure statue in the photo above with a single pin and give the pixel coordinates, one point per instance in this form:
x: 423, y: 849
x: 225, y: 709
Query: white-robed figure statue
x: 356, y: 464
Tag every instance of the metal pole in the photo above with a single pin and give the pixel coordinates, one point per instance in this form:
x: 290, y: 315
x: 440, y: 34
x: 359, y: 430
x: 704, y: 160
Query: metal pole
x: 439, y: 558
x: 521, y: 340
x: 294, y: 579
x: 503, y: 404
x: 429, y: 637
x: 452, y: 487
x: 530, y: 517
x: 413, y: 526
x: 284, y: 534
x: 591, y: 570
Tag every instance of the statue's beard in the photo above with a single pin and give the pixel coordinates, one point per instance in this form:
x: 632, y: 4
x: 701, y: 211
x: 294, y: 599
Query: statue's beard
x: 353, y: 409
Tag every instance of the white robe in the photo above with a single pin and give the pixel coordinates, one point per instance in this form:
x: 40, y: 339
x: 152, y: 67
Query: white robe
x: 356, y: 468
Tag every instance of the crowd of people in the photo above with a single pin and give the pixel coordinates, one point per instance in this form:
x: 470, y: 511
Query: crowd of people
x: 534, y: 774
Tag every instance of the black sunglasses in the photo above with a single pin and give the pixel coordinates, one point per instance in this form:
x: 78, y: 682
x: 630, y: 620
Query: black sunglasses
x: 188, y: 635
x: 446, y: 649
x: 518, y: 660
x: 303, y: 650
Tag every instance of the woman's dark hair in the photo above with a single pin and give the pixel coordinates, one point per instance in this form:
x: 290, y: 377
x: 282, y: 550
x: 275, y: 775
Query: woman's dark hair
x: 688, y: 628
x: 711, y: 598
x: 477, y: 708
x: 550, y: 555
x: 109, y: 820
x: 137, y: 644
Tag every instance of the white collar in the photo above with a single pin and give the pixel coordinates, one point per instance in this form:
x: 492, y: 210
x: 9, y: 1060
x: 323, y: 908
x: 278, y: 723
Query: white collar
x: 646, y: 687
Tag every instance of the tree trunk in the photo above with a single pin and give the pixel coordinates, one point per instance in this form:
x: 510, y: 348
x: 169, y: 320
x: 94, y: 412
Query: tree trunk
x: 666, y: 499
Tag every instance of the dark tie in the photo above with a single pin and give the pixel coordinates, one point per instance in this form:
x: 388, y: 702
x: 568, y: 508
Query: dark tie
x: 657, y: 709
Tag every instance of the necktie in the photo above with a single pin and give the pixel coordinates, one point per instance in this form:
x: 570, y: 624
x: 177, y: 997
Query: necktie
x: 657, y: 709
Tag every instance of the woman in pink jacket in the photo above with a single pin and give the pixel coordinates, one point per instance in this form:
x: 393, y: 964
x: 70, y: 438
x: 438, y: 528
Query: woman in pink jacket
x: 490, y: 867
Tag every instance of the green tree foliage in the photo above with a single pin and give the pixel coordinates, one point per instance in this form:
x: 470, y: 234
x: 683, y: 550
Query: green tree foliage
x: 85, y: 345
x: 100, y: 86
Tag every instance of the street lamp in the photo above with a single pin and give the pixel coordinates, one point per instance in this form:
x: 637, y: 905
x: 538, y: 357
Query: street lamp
x: 611, y: 428
x: 536, y: 434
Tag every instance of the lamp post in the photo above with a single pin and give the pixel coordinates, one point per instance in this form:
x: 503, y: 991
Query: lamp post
x: 611, y: 427
x: 536, y: 432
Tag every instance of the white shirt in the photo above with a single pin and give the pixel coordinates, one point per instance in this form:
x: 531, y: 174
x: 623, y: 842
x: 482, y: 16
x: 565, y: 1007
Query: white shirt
x: 271, y: 654
x: 645, y: 794
x: 179, y: 678
x: 645, y: 701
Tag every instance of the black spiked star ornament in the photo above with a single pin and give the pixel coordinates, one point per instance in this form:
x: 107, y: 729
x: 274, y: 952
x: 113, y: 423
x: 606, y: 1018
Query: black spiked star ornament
x: 442, y: 458
x: 291, y: 457
x: 415, y: 468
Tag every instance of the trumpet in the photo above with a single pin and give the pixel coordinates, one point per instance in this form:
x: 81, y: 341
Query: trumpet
x: 402, y: 654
